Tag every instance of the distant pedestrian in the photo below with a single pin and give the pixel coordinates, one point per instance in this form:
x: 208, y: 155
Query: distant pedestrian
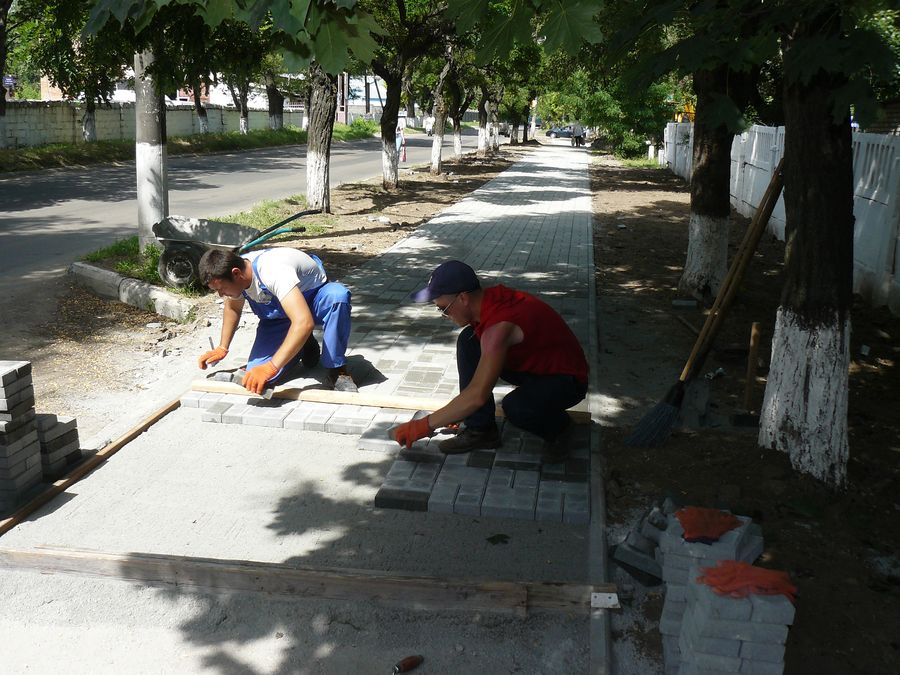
x: 429, y: 124
x: 578, y: 133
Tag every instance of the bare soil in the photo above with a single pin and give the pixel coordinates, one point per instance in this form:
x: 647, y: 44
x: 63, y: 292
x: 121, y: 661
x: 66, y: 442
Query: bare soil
x: 841, y: 549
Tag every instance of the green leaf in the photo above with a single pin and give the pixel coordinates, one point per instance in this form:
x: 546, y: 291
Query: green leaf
x: 345, y: 4
x: 466, y: 13
x: 359, y: 30
x: 216, y: 11
x: 298, y: 58
x: 285, y: 18
x: 330, y: 46
x: 569, y: 22
x: 500, y: 36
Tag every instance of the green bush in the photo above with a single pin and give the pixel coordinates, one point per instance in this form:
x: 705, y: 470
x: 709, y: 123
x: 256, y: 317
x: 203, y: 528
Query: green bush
x: 630, y: 146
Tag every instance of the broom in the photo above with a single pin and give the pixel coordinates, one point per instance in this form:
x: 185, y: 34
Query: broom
x: 656, y: 425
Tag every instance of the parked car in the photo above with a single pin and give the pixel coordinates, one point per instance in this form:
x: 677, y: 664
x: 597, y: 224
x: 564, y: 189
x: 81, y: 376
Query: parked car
x: 560, y: 132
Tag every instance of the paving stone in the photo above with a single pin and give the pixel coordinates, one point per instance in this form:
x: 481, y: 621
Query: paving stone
x: 9, y: 428
x: 501, y: 478
x: 750, y: 667
x: 549, y: 506
x: 772, y: 609
x: 28, y: 436
x: 399, y: 498
x: 751, y: 549
x: 685, y: 562
x: 401, y: 470
x: 673, y: 574
x: 714, y: 606
x: 26, y: 461
x: 10, y: 371
x: 319, y: 416
x: 16, y: 386
x: 421, y: 454
x: 192, y: 399
x: 296, y: 419
x: 506, y: 502
x: 637, y: 559
x: 713, y: 663
x: 740, y: 630
x: 18, y: 410
x: 691, y: 643
x: 761, y: 651
x: 482, y: 459
x: 48, y: 431
x: 27, y: 449
x: 468, y: 499
x: 677, y: 592
x: 209, y: 399
x: 576, y: 509
x: 59, y: 441
x: 235, y: 413
x: 60, y: 452
x: 23, y: 481
x: 10, y: 401
x: 266, y: 415
x: 442, y: 497
x: 215, y: 411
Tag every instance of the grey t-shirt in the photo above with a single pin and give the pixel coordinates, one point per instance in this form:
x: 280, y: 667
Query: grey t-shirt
x: 281, y: 269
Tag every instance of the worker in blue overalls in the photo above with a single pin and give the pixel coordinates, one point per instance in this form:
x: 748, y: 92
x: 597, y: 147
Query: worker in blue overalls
x: 290, y: 293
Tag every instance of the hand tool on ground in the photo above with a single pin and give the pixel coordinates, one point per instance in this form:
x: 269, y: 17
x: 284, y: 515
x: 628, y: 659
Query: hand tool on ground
x: 656, y: 425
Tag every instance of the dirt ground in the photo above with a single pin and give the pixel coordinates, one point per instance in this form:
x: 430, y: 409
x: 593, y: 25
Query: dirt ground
x: 840, y: 549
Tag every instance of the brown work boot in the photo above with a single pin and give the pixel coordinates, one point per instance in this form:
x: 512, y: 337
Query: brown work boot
x: 471, y: 439
x: 341, y: 380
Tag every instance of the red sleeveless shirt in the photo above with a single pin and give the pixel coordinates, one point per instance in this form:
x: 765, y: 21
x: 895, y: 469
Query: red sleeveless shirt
x: 549, y: 347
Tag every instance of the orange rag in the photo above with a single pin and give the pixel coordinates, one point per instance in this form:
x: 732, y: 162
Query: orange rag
x: 705, y: 525
x: 739, y: 579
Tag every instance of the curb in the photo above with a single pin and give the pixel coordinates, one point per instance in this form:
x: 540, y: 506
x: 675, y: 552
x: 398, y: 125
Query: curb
x: 132, y: 292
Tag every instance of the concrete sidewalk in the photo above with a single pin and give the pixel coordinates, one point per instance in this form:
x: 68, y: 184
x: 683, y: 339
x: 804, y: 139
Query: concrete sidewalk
x: 236, y: 491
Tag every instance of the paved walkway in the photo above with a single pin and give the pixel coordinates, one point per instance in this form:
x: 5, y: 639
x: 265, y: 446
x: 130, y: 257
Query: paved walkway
x: 529, y: 228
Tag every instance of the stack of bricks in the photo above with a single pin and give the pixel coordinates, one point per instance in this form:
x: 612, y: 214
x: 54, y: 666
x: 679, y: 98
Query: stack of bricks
x: 59, y: 444
x: 722, y: 634
x: 20, y: 451
x: 677, y: 557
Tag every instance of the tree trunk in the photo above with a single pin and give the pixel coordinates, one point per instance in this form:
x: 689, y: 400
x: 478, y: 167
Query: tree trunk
x: 457, y: 138
x: 440, y: 120
x: 322, y: 108
x: 410, y: 100
x: 89, y: 121
x: 150, y: 151
x: 389, y: 151
x: 4, y: 15
x: 239, y: 97
x: 276, y: 103
x: 707, y: 255
x: 514, y: 134
x: 482, y: 149
x: 202, y: 119
x: 804, y: 411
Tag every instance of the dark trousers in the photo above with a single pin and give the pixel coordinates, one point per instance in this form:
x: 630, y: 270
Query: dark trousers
x: 538, y: 403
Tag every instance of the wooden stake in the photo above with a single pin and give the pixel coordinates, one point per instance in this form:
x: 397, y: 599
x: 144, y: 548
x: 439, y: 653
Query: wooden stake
x: 393, y: 590
x: 751, y: 366
x: 578, y: 415
x: 83, y: 469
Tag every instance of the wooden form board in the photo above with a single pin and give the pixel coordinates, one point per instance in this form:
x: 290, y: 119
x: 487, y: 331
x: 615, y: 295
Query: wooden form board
x: 382, y: 588
x: 351, y: 398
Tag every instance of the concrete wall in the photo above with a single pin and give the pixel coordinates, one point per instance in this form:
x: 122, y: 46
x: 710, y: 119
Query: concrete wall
x: 32, y: 123
x: 876, y: 197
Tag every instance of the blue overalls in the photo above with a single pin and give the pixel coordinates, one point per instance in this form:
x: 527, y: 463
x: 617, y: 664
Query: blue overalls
x: 330, y: 307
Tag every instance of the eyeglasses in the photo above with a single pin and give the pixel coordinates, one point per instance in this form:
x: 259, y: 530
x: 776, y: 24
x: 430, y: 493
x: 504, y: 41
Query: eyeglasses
x: 444, y: 310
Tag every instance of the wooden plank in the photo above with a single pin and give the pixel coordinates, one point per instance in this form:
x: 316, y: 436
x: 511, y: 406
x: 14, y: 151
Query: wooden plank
x: 578, y: 415
x: 381, y: 588
x: 85, y: 468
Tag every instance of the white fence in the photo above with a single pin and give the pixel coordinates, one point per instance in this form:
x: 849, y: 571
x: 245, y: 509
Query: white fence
x: 876, y: 197
x: 30, y: 123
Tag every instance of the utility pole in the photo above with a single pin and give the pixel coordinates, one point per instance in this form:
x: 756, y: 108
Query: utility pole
x: 149, y: 151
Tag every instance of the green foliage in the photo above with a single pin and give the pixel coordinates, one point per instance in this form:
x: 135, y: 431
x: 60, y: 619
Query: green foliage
x: 267, y: 213
x: 125, y: 257
x: 359, y: 128
x: 124, y: 248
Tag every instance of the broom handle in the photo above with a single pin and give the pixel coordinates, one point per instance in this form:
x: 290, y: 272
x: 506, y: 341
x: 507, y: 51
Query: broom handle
x: 735, y: 275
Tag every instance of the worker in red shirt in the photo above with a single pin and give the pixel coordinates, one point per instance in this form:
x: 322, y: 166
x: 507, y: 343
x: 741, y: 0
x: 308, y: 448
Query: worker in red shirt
x: 510, y: 335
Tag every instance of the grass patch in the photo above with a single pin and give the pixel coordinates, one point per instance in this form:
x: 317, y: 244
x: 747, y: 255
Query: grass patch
x: 125, y: 257
x: 640, y: 162
x: 360, y: 128
x: 267, y: 213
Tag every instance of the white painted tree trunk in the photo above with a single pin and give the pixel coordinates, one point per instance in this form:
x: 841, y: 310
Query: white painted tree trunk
x: 245, y: 125
x: 204, y: 124
x: 317, y: 179
x: 389, y: 158
x: 457, y: 141
x: 150, y: 151
x: 89, y: 126
x: 804, y: 410
x: 276, y: 122
x: 437, y: 142
x: 482, y: 149
x: 707, y: 256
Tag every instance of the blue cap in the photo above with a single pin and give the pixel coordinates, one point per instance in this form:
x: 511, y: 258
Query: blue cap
x: 450, y: 277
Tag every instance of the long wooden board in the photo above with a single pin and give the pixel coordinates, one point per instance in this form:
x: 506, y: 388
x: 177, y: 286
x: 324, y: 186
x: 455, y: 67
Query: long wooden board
x: 578, y: 415
x: 382, y: 588
x: 85, y: 468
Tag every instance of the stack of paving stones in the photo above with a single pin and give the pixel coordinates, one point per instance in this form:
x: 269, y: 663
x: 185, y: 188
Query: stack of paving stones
x: 20, y: 450
x: 677, y: 558
x: 721, y: 634
x: 60, y: 449
x: 509, y: 482
x: 639, y: 551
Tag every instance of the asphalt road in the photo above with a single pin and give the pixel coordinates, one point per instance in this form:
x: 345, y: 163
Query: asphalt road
x: 49, y: 219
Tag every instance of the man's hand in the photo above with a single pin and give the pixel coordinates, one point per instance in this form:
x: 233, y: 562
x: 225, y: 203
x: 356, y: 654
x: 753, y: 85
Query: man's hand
x: 410, y: 432
x: 255, y: 379
x: 212, y: 357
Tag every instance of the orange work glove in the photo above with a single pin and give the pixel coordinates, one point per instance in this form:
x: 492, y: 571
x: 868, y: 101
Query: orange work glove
x: 410, y: 432
x: 212, y: 357
x: 255, y: 379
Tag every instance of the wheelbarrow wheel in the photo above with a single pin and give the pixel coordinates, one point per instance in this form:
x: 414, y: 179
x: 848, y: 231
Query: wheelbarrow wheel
x: 179, y: 266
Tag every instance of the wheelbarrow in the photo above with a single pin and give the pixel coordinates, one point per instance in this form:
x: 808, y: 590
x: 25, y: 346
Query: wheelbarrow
x: 185, y: 240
